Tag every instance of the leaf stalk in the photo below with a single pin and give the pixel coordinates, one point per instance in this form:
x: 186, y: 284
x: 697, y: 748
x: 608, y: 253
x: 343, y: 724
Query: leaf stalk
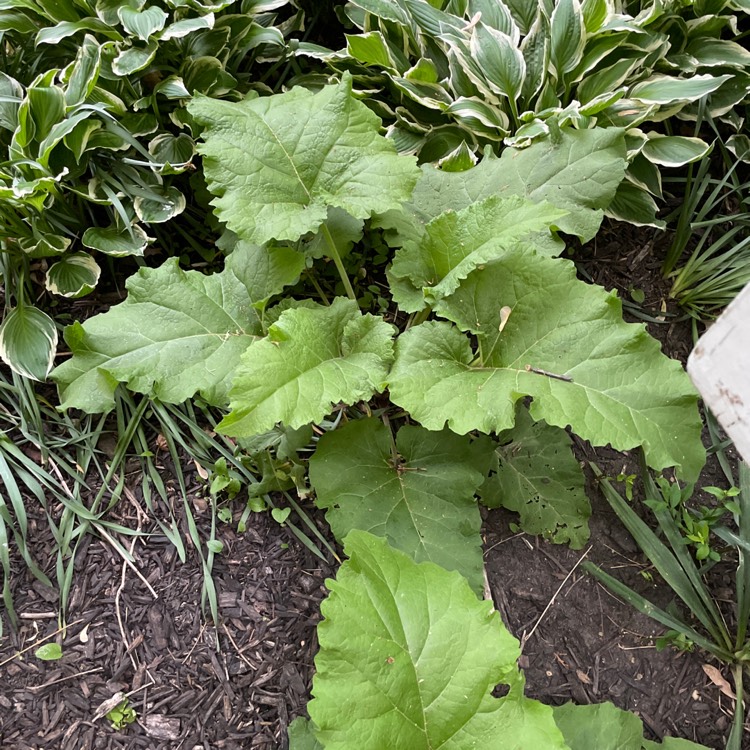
x: 334, y: 254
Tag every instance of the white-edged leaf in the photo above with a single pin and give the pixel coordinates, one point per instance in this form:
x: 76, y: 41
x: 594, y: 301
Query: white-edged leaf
x: 567, y: 36
x: 74, y: 276
x: 178, y: 333
x: 565, y: 344
x: 180, y: 29
x: 665, y: 90
x: 277, y: 163
x: 416, y: 665
x: 634, y: 205
x: 371, y: 49
x: 538, y: 477
x: 133, y: 59
x: 312, y: 359
x: 115, y: 241
x: 674, y: 150
x: 163, y: 205
x: 416, y: 490
x: 502, y: 63
x: 142, y: 24
x: 28, y: 342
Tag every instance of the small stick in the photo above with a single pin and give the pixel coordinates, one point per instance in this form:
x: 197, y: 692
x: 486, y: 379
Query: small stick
x: 41, y: 640
x: 127, y: 562
x: 526, y: 637
x: 553, y: 375
x: 37, y: 615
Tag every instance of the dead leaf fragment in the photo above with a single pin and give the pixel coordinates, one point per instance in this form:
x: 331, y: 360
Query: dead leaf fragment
x: 106, y: 706
x: 583, y: 677
x: 161, y: 727
x: 716, y: 677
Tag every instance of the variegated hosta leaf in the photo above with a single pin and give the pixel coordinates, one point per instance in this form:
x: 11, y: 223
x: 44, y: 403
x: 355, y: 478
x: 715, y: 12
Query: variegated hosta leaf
x: 455, y: 243
x: 634, y: 204
x: 74, y: 276
x: 538, y: 477
x: 178, y: 333
x: 277, y: 163
x: 28, y: 342
x: 417, y: 491
x: 312, y: 359
x: 116, y: 241
x: 565, y: 344
x: 409, y: 658
x: 668, y: 90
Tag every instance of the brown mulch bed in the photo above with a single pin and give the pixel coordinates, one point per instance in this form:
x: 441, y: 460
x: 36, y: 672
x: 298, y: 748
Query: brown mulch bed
x: 189, y: 692
x: 194, y: 686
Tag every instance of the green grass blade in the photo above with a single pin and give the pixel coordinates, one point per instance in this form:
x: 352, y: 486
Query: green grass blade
x: 646, y: 607
x: 663, y: 560
x: 743, y: 549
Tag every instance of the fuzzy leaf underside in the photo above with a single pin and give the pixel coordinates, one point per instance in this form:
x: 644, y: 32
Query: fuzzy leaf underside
x: 277, y: 163
x: 578, y: 173
x: 408, y: 659
x: 178, y: 332
x: 425, y: 506
x: 539, y: 478
x: 613, y: 384
x: 457, y: 242
x: 313, y: 358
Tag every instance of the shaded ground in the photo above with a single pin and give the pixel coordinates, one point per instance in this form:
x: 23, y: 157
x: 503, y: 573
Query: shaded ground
x: 190, y: 695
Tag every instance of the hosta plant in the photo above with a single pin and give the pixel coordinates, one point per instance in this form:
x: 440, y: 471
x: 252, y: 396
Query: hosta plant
x: 452, y: 78
x: 97, y: 145
x: 489, y: 339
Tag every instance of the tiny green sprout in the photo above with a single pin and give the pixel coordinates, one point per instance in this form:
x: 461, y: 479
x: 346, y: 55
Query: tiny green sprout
x: 675, y: 639
x: 121, y: 715
x: 284, y: 545
x: 257, y: 504
x: 637, y: 295
x: 629, y: 480
x: 647, y: 575
x: 721, y: 494
x: 215, y: 546
x: 49, y: 652
x: 280, y: 514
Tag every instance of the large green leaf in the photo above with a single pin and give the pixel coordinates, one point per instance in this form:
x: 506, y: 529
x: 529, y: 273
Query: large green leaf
x: 538, y: 477
x: 416, y: 491
x: 28, y: 342
x: 605, y: 727
x: 565, y: 344
x: 301, y: 736
x: 409, y: 657
x: 178, y: 333
x: 312, y: 358
x: 577, y: 172
x: 277, y: 163
x: 455, y: 243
